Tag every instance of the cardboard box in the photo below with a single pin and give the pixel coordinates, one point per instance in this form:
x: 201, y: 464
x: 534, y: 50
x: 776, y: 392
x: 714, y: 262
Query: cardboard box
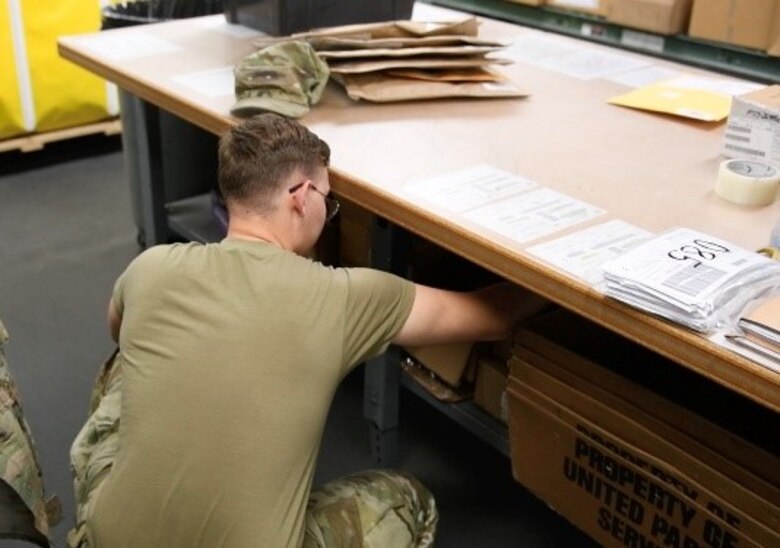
x: 448, y: 361
x: 661, y: 16
x: 753, y: 127
x: 747, y: 23
x: 502, y: 349
x: 774, y: 35
x: 490, y: 389
x: 624, y: 463
x: 593, y: 7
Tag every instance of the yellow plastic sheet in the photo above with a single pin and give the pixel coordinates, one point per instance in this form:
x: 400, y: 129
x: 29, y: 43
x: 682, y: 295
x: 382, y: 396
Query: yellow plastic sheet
x: 673, y: 97
x: 11, y: 118
x: 64, y: 94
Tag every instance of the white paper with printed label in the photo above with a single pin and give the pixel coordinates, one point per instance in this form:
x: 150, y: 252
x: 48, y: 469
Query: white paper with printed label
x: 753, y: 132
x: 469, y: 188
x: 582, y: 253
x: 533, y: 214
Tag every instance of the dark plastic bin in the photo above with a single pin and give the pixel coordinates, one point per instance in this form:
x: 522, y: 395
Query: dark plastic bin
x: 141, y: 12
x: 280, y: 17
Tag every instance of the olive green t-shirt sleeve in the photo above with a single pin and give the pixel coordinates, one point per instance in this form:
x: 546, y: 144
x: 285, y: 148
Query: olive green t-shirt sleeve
x: 139, y: 269
x: 118, y: 296
x: 377, y: 306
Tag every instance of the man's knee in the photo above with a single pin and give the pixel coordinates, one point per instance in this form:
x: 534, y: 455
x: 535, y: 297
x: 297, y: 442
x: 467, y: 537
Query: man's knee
x: 373, y: 508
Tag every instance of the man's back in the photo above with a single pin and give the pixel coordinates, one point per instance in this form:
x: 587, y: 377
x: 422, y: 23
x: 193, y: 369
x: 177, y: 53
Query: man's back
x: 231, y: 354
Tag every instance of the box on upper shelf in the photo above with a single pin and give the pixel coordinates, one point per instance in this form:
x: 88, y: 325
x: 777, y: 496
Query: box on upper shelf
x: 529, y: 2
x: 593, y: 7
x: 659, y: 16
x: 748, y: 23
x: 753, y: 127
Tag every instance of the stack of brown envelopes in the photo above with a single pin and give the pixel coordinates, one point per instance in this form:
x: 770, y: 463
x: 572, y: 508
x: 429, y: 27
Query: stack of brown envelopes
x: 409, y: 60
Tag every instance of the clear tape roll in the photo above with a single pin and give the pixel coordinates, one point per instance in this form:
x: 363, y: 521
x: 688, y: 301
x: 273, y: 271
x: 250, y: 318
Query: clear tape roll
x: 747, y: 182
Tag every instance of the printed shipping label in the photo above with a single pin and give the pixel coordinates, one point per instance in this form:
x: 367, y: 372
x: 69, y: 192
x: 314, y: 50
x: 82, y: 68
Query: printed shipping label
x: 753, y: 132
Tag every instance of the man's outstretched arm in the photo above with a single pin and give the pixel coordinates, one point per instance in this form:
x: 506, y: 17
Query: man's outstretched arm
x: 440, y: 316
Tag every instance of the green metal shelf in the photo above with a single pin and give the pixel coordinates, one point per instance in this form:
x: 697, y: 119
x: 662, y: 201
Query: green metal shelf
x: 746, y: 63
x: 489, y: 429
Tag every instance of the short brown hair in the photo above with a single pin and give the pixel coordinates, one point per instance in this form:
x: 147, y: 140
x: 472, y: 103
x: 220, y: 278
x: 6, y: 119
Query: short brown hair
x: 259, y: 154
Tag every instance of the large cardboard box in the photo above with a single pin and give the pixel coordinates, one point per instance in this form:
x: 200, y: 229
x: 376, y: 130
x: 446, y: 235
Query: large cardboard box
x: 632, y: 466
x: 753, y: 128
x: 490, y: 388
x: 661, y: 16
x: 593, y: 7
x: 748, y: 23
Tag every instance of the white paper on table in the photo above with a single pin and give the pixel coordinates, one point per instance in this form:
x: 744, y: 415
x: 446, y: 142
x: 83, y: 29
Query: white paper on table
x: 582, y: 253
x: 589, y: 64
x: 644, y: 76
x: 684, y: 266
x: 533, y: 214
x: 127, y: 46
x: 428, y: 12
x: 715, y: 85
x: 469, y: 188
x: 534, y: 46
x: 220, y: 24
x: 719, y: 338
x: 209, y: 83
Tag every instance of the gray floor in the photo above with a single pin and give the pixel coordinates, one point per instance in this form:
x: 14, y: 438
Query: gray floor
x: 66, y: 232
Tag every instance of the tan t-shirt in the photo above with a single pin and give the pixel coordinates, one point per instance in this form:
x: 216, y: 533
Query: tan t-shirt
x: 231, y: 353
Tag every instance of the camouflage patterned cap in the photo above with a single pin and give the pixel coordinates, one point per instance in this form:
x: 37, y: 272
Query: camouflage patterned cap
x: 286, y: 78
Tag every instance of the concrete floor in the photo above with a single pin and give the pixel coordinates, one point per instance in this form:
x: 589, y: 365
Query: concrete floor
x: 67, y: 232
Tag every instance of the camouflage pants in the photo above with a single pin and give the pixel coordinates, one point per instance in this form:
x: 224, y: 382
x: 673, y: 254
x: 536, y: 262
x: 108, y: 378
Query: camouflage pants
x: 24, y: 512
x: 377, y: 508
x: 94, y: 449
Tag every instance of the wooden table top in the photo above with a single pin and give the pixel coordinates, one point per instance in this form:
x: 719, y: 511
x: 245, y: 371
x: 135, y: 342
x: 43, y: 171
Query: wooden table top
x: 653, y: 171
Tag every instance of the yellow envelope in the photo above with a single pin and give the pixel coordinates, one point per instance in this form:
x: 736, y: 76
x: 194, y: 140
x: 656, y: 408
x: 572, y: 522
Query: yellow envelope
x: 666, y: 97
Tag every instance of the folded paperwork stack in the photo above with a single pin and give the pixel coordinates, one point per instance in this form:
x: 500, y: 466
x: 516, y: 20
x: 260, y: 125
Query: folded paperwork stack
x: 760, y: 327
x: 409, y: 60
x: 691, y: 278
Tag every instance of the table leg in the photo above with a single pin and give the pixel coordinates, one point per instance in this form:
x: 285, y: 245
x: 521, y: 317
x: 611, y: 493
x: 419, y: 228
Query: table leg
x: 143, y: 162
x: 383, y: 374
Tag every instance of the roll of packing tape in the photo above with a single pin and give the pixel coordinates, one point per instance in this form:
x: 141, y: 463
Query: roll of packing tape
x: 747, y: 182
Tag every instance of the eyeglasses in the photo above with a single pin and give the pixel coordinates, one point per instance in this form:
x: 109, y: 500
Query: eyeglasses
x: 331, y: 204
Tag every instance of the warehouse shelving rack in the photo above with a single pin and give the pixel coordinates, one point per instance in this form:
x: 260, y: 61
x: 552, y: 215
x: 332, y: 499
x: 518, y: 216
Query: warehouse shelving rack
x: 716, y: 56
